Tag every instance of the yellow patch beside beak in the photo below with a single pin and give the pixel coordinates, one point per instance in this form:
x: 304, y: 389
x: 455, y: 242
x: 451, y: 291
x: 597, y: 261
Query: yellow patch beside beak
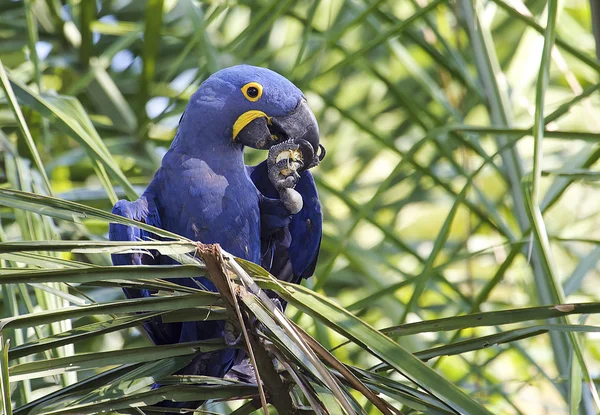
x: 245, y: 119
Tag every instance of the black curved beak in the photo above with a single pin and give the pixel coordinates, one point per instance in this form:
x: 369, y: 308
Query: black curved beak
x: 300, y: 125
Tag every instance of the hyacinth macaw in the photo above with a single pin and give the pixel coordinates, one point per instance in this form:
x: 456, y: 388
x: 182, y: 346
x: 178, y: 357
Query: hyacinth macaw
x: 204, y: 192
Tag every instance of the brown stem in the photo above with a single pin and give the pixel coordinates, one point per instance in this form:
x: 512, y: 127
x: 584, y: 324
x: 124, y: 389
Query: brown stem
x: 263, y: 363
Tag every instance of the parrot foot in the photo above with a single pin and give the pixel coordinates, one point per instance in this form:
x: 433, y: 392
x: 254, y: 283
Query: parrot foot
x: 229, y: 335
x: 283, y: 162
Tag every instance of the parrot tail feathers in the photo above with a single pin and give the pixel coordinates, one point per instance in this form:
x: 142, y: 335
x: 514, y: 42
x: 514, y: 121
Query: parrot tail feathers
x: 242, y: 370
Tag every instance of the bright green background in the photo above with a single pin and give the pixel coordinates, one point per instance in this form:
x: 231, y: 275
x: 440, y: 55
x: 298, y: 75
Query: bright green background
x: 423, y: 219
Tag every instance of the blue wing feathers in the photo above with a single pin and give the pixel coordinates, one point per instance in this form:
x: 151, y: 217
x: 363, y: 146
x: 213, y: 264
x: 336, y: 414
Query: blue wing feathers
x: 306, y: 229
x: 145, y: 210
x: 141, y: 211
x: 292, y: 251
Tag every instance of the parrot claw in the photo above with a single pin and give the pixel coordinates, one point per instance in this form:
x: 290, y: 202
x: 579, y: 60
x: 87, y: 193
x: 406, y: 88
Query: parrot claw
x: 229, y: 335
x: 284, y: 161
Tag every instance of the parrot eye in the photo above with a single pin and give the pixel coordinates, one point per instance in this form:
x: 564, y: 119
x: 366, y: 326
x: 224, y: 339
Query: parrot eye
x: 252, y: 91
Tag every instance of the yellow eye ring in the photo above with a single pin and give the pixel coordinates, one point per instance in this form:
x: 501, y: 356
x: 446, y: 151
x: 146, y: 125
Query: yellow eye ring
x: 252, y: 91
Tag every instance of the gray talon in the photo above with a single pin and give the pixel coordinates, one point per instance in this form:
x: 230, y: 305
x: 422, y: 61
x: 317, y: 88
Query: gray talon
x: 229, y: 335
x: 284, y: 161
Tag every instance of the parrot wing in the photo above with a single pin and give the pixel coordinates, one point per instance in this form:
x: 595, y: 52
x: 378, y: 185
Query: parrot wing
x: 291, y: 253
x: 215, y: 363
x: 139, y: 211
x: 142, y: 210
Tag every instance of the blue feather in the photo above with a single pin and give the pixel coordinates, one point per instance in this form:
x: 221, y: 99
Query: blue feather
x: 290, y: 252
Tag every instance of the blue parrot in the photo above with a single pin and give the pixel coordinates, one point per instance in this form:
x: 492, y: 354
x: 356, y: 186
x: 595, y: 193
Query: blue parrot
x: 204, y: 192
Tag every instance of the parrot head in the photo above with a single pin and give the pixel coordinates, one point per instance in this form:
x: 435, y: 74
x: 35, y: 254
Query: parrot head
x: 251, y: 106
